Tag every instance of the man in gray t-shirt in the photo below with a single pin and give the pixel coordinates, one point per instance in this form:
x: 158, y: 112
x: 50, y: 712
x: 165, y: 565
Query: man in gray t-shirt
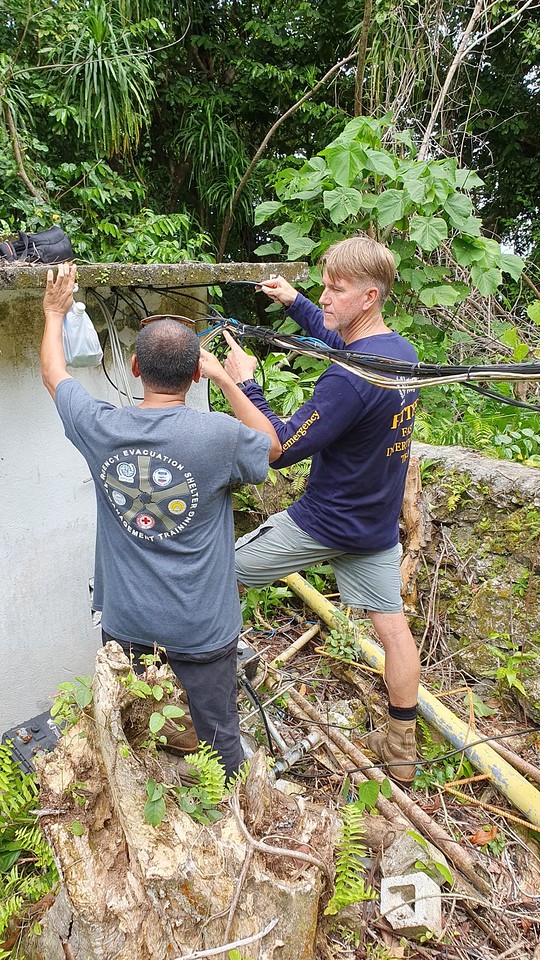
x: 164, y: 565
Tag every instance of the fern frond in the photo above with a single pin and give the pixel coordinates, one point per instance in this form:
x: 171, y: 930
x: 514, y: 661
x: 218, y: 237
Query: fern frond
x: 211, y: 772
x: 349, y: 886
x: 18, y: 790
x: 27, y: 868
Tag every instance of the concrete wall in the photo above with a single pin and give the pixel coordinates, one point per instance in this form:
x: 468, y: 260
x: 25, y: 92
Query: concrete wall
x: 47, y: 520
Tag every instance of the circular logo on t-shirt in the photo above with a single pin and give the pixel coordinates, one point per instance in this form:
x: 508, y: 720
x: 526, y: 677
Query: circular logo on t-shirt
x: 153, y: 495
x: 177, y: 506
x: 162, y: 477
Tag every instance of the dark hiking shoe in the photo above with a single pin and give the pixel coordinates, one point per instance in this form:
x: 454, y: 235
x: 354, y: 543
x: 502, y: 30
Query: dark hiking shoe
x: 178, y: 739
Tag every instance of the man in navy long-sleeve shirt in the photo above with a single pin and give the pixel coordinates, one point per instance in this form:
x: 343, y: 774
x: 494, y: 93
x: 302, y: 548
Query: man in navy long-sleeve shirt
x: 358, y: 436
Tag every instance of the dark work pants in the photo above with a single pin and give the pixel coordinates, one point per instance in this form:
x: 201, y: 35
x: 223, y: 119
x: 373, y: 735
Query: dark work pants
x: 209, y: 680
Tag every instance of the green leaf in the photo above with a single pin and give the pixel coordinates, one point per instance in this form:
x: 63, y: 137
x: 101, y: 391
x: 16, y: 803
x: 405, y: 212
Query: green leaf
x: 468, y: 251
x: 342, y: 202
x: 428, y: 232
x: 76, y: 828
x: 390, y: 207
x: 171, y: 711
x: 368, y: 793
x: 301, y: 247
x: 266, y: 210
x: 444, y: 872
x: 512, y: 264
x: 156, y: 722
x: 458, y: 209
x: 386, y: 788
x: 292, y: 231
x: 265, y: 249
x: 480, y: 708
x: 533, y: 312
x: 154, y: 811
x: 441, y: 295
x: 415, y: 188
x: 381, y: 163
x: 467, y: 179
x: 157, y: 692
x: 346, y: 161
x: 486, y: 280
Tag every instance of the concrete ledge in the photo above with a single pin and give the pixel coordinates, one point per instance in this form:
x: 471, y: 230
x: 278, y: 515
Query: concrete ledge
x: 28, y: 277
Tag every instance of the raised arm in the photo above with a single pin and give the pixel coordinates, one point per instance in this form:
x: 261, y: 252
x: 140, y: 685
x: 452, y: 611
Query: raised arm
x: 244, y: 410
x: 56, y: 302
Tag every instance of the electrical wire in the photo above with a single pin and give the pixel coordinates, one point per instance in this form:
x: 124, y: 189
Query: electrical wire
x: 384, y: 372
x: 417, y: 763
x: 256, y: 700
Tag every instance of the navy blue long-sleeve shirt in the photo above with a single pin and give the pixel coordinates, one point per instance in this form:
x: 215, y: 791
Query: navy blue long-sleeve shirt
x: 358, y: 436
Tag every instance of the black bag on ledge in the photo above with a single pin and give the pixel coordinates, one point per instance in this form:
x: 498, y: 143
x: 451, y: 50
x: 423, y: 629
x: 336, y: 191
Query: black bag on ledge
x: 48, y: 246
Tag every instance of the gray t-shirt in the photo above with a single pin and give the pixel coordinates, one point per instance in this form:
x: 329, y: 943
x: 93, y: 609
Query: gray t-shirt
x: 164, y: 566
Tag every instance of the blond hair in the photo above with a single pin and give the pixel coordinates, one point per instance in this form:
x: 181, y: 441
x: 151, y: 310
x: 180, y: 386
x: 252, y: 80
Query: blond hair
x: 361, y: 259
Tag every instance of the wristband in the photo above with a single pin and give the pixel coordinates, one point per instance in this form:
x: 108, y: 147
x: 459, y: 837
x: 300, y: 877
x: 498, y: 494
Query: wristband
x: 246, y: 383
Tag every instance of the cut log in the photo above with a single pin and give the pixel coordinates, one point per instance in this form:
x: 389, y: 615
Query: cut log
x: 158, y: 893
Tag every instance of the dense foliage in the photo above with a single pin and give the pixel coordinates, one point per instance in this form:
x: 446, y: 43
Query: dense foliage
x: 153, y: 130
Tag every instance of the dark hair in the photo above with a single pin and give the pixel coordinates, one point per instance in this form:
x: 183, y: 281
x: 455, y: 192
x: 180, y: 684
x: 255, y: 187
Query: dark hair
x: 168, y: 355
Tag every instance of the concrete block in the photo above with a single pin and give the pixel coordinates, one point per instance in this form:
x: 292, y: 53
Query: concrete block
x: 412, y: 904
x: 400, y: 857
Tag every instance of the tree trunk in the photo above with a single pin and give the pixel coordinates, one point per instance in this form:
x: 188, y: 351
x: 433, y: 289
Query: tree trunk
x: 131, y: 890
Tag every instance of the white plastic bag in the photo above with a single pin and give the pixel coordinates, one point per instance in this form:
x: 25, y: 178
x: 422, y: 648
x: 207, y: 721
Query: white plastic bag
x: 80, y: 340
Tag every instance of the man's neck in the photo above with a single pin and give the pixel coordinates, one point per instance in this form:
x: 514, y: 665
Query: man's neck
x: 368, y: 325
x: 153, y: 398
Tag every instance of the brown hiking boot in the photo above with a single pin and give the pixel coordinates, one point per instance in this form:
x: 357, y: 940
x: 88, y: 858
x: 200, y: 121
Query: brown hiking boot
x: 397, y: 747
x: 180, y: 740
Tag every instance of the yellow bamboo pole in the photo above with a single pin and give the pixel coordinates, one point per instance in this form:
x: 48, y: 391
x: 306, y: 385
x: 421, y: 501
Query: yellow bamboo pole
x: 522, y: 794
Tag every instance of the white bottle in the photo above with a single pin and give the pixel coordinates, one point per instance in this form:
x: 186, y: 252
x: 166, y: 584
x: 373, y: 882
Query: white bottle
x: 81, y: 343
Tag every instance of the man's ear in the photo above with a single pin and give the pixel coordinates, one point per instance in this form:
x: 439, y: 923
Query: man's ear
x: 371, y: 295
x: 135, y: 366
x: 198, y: 372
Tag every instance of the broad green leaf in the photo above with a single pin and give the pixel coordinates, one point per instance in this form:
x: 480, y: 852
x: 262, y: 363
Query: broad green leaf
x: 386, y: 788
x: 315, y: 163
x: 156, y: 722
x: 381, y: 163
x: 170, y: 711
x: 512, y: 264
x: 292, y: 231
x: 533, y: 312
x: 369, y: 201
x: 415, y: 188
x: 458, y: 209
x: 486, y: 280
x: 467, y: 179
x: 265, y: 249
x: 154, y: 811
x: 157, y: 692
x: 440, y: 295
x: 492, y: 253
x: 346, y: 161
x: 368, y: 793
x: 468, y: 251
x: 471, y: 227
x: 342, y: 202
x: 76, y: 828
x: 390, y: 207
x: 428, y: 232
x: 266, y: 210
x: 301, y: 247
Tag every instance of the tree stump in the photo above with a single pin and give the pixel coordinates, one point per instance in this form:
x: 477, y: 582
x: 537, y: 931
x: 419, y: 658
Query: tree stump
x: 160, y: 893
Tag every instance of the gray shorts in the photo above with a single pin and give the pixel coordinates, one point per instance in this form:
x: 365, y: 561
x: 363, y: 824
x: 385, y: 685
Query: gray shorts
x: 279, y: 547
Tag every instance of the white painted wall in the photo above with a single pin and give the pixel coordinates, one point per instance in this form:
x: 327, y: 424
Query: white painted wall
x: 47, y: 523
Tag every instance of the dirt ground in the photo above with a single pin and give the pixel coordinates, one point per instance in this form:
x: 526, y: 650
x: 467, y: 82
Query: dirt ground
x: 501, y: 923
